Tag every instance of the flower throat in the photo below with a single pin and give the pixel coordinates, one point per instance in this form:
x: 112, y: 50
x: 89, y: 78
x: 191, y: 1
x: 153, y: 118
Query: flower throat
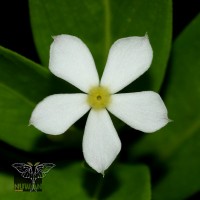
x: 99, y: 97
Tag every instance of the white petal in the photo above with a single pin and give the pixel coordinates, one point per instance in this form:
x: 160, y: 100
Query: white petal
x: 128, y: 59
x: 56, y: 113
x: 71, y: 60
x: 101, y: 143
x: 144, y: 111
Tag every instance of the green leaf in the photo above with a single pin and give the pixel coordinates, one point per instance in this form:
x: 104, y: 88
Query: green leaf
x: 182, y: 97
x: 73, y: 182
x: 23, y: 76
x: 22, y: 85
x: 18, y: 79
x: 15, y: 111
x: 182, y: 180
x: 100, y: 23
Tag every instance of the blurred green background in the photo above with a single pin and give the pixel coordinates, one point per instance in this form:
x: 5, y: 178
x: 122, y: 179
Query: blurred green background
x: 164, y: 165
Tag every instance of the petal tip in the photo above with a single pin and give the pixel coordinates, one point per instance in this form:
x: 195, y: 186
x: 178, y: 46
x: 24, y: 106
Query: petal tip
x: 170, y: 120
x: 57, y: 37
x: 54, y: 36
x: 146, y: 36
x: 103, y: 173
x: 31, y: 120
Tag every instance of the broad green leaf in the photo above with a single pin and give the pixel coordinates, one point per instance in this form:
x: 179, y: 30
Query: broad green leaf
x: 28, y: 79
x: 100, y: 23
x: 73, y: 182
x: 15, y: 112
x: 181, y: 181
x: 19, y: 79
x: 22, y: 85
x: 182, y: 97
x: 182, y: 178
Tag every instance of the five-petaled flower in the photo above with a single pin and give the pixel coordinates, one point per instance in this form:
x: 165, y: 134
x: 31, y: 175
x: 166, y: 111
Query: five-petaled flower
x: 71, y: 60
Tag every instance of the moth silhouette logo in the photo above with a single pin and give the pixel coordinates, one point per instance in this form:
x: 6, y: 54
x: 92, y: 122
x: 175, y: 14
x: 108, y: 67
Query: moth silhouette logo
x: 32, y: 172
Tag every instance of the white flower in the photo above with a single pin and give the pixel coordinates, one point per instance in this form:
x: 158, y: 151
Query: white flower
x: 71, y: 60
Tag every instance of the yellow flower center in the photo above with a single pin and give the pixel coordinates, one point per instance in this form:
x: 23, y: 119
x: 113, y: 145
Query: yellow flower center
x: 99, y: 97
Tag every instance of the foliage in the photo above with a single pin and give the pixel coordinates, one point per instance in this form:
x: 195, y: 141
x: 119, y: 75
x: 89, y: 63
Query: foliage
x: 173, y: 150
